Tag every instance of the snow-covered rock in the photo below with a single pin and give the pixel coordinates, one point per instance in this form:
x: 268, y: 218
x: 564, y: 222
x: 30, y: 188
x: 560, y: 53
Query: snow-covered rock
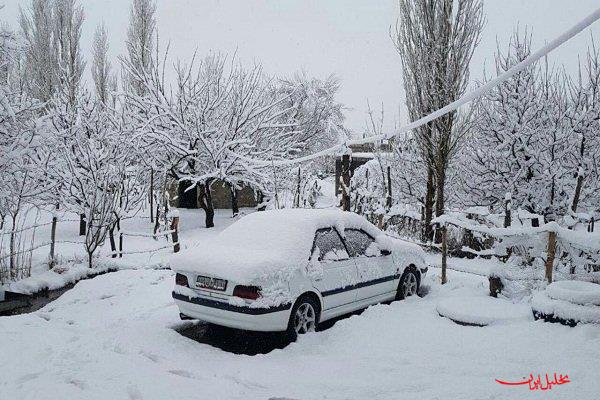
x: 545, y: 306
x: 479, y: 310
x: 578, y: 292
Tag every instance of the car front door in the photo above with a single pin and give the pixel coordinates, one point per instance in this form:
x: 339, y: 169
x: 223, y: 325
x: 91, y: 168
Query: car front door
x: 331, y: 269
x: 376, y: 271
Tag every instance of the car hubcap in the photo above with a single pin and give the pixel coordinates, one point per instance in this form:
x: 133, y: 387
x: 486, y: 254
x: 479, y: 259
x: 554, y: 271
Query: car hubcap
x: 304, y: 320
x: 409, y: 286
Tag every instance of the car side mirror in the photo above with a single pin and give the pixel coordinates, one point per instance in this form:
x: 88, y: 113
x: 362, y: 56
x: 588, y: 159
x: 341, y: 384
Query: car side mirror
x: 385, y: 252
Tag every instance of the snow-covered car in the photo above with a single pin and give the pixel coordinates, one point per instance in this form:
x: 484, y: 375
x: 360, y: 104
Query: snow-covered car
x: 289, y: 270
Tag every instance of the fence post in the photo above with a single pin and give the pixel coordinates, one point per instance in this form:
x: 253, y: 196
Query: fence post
x: 175, y: 233
x: 53, y: 241
x: 551, y: 255
x: 345, y: 182
x: 82, y: 225
x: 120, y: 244
x: 444, y: 254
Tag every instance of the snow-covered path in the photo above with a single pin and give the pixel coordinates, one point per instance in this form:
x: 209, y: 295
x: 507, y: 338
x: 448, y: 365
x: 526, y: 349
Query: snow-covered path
x: 112, y: 337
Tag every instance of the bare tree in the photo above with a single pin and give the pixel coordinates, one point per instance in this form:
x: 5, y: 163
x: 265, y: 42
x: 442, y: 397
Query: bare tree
x: 436, y: 40
x: 101, y: 66
x: 585, y: 114
x: 142, y: 25
x: 37, y: 30
x: 68, y: 20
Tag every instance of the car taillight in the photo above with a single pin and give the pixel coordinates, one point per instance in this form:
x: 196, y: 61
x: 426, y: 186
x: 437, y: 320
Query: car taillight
x: 247, y: 292
x: 181, y: 280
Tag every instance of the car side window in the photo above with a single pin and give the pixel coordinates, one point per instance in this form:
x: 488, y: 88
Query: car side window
x: 328, y: 245
x: 360, y: 244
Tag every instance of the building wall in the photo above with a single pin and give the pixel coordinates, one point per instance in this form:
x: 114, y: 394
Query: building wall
x: 221, y: 196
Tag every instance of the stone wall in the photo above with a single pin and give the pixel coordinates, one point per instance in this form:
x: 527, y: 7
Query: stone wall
x: 221, y: 195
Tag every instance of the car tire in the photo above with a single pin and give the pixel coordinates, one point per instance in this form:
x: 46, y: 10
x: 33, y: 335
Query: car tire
x: 304, y: 317
x: 409, y: 284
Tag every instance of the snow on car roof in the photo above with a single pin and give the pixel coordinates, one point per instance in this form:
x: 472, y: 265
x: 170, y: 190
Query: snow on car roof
x: 264, y: 242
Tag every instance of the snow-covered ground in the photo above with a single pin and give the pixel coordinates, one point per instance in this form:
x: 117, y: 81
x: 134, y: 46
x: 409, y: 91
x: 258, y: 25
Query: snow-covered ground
x: 114, y: 337
x: 118, y: 336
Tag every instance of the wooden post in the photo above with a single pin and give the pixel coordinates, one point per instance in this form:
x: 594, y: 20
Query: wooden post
x: 175, y: 233
x: 345, y: 182
x: 53, y: 241
x: 82, y: 225
x: 444, y: 254
x: 551, y: 255
x: 120, y: 244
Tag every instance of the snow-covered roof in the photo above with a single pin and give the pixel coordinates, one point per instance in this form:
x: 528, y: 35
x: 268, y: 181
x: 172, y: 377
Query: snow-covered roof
x: 363, y: 155
x: 268, y: 242
x: 478, y: 210
x: 524, y: 214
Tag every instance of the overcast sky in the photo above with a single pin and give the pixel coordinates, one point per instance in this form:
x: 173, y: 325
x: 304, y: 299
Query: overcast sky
x: 349, y: 38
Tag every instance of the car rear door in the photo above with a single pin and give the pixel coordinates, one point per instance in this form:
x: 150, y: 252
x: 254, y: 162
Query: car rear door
x: 331, y: 269
x: 376, y: 272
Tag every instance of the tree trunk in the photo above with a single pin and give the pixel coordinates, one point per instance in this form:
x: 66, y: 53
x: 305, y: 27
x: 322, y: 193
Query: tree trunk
x: 444, y: 254
x: 388, y: 202
x: 551, y: 255
x: 206, y: 204
x: 175, y: 234
x: 13, y: 260
x: 260, y: 198
x: 345, y: 182
x: 298, y: 185
x: 82, y: 225
x: 428, y: 211
x: 111, y: 238
x: 507, y: 210
x: 157, y: 221
x: 151, y: 195
x: 440, y: 182
x: 577, y: 195
x: 234, y: 200
x: 90, y: 257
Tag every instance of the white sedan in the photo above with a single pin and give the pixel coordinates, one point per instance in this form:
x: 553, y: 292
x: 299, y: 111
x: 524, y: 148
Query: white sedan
x: 289, y: 270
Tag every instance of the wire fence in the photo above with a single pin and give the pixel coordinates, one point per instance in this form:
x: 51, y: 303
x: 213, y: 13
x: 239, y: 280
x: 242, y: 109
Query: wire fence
x: 545, y: 253
x: 18, y: 244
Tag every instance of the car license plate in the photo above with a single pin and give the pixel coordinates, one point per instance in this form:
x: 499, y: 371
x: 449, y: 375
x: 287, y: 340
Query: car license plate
x: 206, y: 282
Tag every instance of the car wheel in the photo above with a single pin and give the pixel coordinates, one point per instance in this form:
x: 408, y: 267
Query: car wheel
x: 409, y: 285
x: 304, y: 318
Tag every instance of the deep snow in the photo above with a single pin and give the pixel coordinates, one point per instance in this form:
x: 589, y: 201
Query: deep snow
x: 113, y: 337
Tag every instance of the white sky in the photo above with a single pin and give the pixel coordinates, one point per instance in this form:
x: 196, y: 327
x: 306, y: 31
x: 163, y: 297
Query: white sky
x: 349, y: 38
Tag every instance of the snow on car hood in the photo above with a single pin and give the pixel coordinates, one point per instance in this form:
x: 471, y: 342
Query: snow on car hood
x: 269, y: 243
